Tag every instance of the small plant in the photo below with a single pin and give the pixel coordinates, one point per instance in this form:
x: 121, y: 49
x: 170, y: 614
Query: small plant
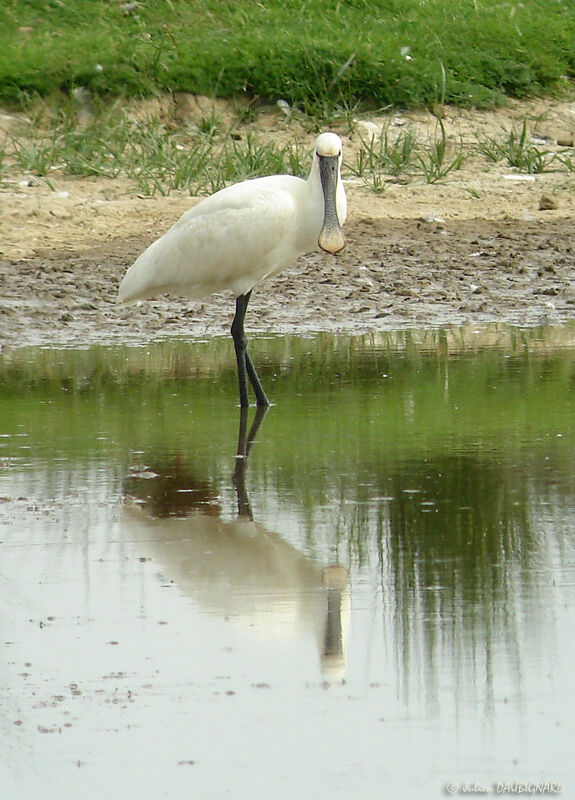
x: 382, y: 155
x: 565, y: 158
x: 522, y: 155
x: 399, y: 154
x: 246, y: 113
x: 490, y: 149
x: 518, y: 152
x: 211, y: 125
x: 434, y: 162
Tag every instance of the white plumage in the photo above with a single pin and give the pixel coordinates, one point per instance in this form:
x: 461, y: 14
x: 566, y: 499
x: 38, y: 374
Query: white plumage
x: 243, y: 234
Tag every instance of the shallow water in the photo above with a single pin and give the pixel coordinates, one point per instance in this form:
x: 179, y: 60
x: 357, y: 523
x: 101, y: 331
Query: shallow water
x: 375, y: 599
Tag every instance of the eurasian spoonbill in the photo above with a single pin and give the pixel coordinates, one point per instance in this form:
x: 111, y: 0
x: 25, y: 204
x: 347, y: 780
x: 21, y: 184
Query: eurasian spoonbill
x: 242, y: 234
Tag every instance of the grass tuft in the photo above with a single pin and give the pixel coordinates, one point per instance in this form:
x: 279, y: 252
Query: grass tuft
x: 518, y: 152
x: 156, y: 157
x: 435, y: 161
x: 384, y: 156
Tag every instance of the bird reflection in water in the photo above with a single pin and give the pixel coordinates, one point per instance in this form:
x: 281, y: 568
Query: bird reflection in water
x: 235, y: 568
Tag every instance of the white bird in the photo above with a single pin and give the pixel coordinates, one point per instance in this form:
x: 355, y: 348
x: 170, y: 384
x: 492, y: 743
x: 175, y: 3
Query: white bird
x: 242, y: 234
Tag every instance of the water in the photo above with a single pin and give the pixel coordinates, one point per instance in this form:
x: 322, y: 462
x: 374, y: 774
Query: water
x: 376, y: 602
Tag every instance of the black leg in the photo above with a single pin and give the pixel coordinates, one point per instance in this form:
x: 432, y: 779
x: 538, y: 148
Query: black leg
x: 244, y: 362
x: 261, y: 397
x: 240, y: 344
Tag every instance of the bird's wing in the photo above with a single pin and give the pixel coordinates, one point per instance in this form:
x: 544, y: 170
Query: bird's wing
x: 229, y: 241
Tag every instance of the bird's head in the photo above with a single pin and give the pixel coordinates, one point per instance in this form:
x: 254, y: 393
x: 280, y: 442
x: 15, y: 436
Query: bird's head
x: 328, y: 145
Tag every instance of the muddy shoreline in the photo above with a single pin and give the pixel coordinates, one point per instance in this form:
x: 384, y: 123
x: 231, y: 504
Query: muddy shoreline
x: 393, y: 274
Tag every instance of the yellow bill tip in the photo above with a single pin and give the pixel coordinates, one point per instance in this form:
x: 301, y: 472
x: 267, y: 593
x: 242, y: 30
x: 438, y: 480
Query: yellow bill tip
x: 331, y: 239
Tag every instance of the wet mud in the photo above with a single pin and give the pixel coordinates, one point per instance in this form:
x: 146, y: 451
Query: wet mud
x: 393, y: 274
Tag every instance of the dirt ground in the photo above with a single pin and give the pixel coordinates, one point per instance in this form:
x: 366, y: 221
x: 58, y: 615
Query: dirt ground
x: 485, y: 244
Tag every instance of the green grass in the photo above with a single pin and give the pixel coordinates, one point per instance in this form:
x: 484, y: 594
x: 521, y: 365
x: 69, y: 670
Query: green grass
x: 382, y: 156
x: 435, y: 161
x: 318, y: 55
x: 159, y: 156
x: 325, y: 61
x: 518, y: 152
